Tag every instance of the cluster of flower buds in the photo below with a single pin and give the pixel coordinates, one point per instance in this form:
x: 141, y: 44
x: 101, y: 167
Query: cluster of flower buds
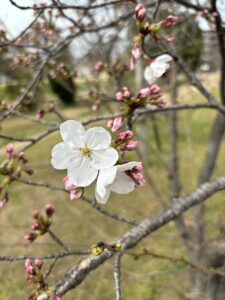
x: 75, y: 192
x: 124, y: 142
x: 35, y: 276
x: 60, y: 70
x: 116, y: 69
x: 124, y: 94
x: 15, y: 164
x: 23, y: 60
x: 41, y: 224
x: 155, y: 30
x: 136, y: 175
x: 149, y: 95
x: 11, y: 169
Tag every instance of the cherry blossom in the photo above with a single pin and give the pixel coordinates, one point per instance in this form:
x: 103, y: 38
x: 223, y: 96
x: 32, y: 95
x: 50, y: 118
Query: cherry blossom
x: 157, y: 68
x: 82, y: 153
x: 116, y: 180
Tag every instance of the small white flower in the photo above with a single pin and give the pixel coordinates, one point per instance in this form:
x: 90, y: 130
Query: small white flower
x: 82, y: 153
x: 116, y: 180
x: 157, y: 68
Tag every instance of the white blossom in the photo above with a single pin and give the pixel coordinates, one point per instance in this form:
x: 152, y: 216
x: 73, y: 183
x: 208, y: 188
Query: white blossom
x: 116, y: 180
x: 157, y: 68
x: 83, y: 153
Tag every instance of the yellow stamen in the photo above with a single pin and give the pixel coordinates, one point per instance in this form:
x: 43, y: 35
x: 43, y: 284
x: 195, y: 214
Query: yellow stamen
x: 85, y: 151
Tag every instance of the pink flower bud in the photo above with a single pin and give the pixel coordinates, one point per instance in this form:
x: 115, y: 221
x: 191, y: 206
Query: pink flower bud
x: 110, y: 123
x: 28, y: 263
x: 169, y: 21
x: 35, y: 226
x: 30, y: 237
x: 99, y: 66
x: 38, y: 263
x: 75, y: 192
x: 4, y: 200
x: 9, y: 149
x: 40, y: 113
x: 154, y: 89
x: 135, y: 54
x: 30, y: 270
x: 144, y: 93
x: 140, y: 12
x: 130, y: 146
x: 117, y: 123
x: 126, y: 92
x: 49, y: 210
x: 35, y: 214
x: 125, y: 135
x: 119, y: 96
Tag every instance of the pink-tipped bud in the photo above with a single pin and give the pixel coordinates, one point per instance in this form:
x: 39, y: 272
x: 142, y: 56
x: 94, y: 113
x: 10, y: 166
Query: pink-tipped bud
x: 135, y: 54
x: 117, y: 123
x: 49, y: 210
x: 125, y: 135
x: 28, y: 263
x: 38, y: 263
x: 4, y: 200
x: 75, y: 192
x: 30, y: 270
x: 36, y: 214
x: 144, y: 93
x: 119, y: 96
x: 130, y: 146
x: 40, y: 113
x: 10, y: 149
x: 154, y: 89
x: 35, y: 226
x: 169, y: 21
x: 126, y: 92
x: 99, y: 66
x: 110, y: 123
x: 30, y: 237
x: 140, y: 12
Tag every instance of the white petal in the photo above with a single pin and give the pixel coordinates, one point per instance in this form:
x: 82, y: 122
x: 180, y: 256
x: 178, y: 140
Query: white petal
x: 123, y: 184
x: 165, y: 58
x: 105, y: 178
x: 102, y: 159
x: 73, y: 131
x: 63, y: 156
x: 128, y: 166
x: 149, y: 75
x: 98, y: 138
x: 84, y: 175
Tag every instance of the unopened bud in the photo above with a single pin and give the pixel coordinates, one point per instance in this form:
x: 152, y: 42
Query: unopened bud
x: 49, y: 210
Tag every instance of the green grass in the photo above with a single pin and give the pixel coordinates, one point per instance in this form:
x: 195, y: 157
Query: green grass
x: 77, y: 224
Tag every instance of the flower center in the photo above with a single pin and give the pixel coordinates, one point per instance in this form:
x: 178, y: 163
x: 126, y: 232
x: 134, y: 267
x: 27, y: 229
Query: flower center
x: 85, y: 151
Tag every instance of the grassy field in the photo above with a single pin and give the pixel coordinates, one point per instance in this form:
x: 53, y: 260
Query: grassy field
x: 80, y: 226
